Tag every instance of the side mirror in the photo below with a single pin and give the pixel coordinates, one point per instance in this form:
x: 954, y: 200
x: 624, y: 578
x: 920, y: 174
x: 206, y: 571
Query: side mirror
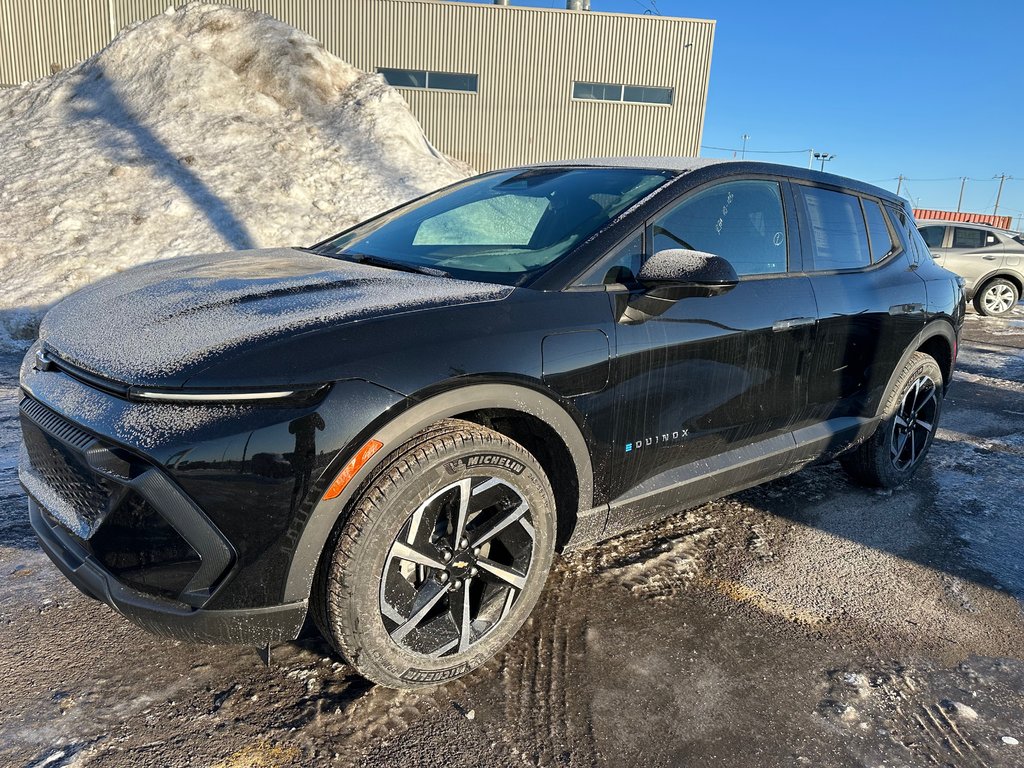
x: 671, y: 275
x: 678, y: 273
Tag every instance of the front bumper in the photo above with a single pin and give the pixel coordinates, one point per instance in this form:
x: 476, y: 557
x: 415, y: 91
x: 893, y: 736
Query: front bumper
x: 248, y: 626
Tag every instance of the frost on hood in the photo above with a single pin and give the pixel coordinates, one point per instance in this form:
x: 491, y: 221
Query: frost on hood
x: 160, y: 319
x: 203, y: 129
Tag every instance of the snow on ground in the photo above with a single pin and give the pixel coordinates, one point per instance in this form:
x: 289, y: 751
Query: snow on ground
x: 203, y: 129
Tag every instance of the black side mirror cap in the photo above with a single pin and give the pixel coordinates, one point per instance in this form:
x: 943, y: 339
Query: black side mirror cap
x: 679, y: 273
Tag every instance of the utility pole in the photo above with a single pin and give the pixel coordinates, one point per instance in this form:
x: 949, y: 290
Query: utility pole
x: 960, y: 202
x: 1020, y: 223
x: 1002, y: 180
x: 743, y: 154
x: 810, y: 157
x: 899, y: 184
x: 823, y: 156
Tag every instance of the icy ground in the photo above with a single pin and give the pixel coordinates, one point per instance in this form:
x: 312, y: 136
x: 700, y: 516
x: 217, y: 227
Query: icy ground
x: 805, y: 622
x: 205, y: 129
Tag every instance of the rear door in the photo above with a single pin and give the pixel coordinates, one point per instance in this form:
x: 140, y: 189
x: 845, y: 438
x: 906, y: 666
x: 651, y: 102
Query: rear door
x: 696, y: 386
x: 871, y: 303
x: 973, y: 253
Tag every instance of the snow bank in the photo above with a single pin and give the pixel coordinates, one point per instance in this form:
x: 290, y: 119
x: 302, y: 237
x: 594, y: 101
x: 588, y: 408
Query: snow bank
x: 204, y: 129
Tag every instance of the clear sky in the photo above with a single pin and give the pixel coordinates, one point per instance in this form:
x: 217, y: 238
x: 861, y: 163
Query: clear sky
x: 932, y: 90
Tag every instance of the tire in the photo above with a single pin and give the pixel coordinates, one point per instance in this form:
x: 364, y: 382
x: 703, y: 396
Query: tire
x: 996, y: 298
x: 391, y: 591
x: 896, y: 450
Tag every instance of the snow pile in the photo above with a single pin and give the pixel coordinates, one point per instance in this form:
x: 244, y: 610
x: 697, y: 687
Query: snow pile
x: 204, y: 129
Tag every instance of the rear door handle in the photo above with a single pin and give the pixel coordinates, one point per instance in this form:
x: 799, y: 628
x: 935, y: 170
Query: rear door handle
x: 990, y: 257
x: 793, y: 322
x: 906, y: 309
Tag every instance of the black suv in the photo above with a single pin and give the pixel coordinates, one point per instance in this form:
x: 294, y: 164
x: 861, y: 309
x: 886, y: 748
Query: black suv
x: 395, y: 430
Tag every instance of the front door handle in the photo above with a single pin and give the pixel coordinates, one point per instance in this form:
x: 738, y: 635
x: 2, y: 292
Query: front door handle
x: 793, y: 322
x: 990, y: 257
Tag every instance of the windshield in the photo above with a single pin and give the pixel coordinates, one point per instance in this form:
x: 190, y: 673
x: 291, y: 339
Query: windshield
x: 502, y: 227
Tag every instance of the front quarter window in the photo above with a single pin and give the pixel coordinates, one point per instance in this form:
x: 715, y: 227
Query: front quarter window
x: 933, y: 235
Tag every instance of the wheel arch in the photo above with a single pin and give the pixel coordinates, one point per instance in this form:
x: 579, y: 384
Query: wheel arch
x: 997, y: 274
x: 937, y: 339
x: 517, y: 411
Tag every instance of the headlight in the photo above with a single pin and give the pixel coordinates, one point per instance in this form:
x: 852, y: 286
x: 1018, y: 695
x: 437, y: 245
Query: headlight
x: 224, y: 396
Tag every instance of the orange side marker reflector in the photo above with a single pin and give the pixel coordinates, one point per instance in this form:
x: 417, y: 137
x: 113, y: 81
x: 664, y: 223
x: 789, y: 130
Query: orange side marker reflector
x: 354, y: 465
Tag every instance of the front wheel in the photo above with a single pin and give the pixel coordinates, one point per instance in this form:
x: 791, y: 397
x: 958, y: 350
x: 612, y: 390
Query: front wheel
x: 445, y: 552
x: 996, y: 298
x: 894, y: 452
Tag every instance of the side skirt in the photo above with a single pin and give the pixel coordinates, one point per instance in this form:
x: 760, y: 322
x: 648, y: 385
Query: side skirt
x: 702, y: 481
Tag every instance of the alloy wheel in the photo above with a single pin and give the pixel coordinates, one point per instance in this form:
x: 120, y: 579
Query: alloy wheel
x: 457, y: 566
x: 998, y: 299
x: 914, y: 423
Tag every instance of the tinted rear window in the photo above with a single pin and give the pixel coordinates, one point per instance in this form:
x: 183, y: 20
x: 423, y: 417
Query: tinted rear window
x: 968, y: 238
x: 839, y: 238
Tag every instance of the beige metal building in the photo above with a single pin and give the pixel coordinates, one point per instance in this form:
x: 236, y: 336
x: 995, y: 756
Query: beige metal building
x: 495, y: 85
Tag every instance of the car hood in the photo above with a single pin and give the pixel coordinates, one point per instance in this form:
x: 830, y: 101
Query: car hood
x: 157, y: 324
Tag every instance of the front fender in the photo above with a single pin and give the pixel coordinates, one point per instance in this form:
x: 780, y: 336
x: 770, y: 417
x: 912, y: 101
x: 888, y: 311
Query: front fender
x: 326, y: 513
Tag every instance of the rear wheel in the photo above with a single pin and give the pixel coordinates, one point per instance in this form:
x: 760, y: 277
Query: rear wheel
x: 894, y: 452
x: 996, y: 298
x: 443, y: 556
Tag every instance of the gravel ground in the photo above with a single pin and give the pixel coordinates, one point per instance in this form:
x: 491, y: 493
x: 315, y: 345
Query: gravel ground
x: 807, y: 621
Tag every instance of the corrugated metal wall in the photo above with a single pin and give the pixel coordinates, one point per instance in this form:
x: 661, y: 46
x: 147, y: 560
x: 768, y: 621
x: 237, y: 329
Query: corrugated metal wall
x: 1001, y: 222
x: 526, y: 59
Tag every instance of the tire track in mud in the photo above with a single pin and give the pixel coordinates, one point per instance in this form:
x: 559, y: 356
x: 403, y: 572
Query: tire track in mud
x: 907, y: 715
x: 550, y: 722
x: 941, y: 738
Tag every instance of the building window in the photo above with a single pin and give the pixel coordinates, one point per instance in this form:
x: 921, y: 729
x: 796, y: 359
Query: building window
x: 635, y: 94
x: 438, y: 81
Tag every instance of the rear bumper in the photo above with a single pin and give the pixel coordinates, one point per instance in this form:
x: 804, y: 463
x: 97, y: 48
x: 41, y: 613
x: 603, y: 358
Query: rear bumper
x: 249, y: 626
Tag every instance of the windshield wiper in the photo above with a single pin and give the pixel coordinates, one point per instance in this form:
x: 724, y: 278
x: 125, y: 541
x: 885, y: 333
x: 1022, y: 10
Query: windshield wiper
x: 380, y: 261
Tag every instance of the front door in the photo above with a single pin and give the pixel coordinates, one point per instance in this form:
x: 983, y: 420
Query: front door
x: 973, y: 253
x: 696, y: 387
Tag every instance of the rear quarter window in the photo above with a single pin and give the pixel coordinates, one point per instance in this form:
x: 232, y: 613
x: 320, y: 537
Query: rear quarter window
x: 881, y: 239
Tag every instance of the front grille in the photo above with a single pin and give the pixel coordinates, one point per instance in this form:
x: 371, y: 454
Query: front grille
x: 121, y: 510
x: 64, y: 470
x: 55, y: 424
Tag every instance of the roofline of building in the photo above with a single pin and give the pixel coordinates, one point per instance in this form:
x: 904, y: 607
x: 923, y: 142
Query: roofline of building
x: 530, y: 9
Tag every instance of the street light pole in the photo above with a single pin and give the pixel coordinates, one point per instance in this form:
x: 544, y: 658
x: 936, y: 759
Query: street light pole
x: 743, y: 153
x: 823, y: 157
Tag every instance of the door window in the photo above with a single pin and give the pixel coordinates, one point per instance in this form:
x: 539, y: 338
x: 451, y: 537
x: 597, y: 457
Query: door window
x: 933, y: 235
x: 963, y: 237
x: 839, y: 238
x: 741, y: 221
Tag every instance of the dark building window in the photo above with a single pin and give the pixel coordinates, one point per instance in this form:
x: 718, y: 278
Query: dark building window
x: 438, y: 81
x: 636, y: 94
